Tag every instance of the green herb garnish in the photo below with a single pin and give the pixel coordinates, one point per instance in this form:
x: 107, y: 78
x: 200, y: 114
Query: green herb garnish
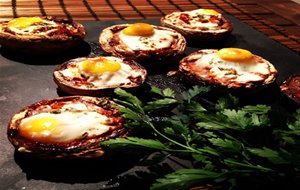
x: 230, y: 145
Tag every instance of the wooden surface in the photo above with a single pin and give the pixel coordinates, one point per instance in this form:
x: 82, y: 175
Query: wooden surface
x: 278, y: 19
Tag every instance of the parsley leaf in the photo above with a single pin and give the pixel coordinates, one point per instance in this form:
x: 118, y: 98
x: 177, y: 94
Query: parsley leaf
x: 193, y: 92
x: 227, y: 145
x: 291, y: 134
x: 184, y: 178
x: 271, y: 155
x: 130, y: 100
x: 166, y: 93
x: 226, y: 102
x: 158, y: 104
x: 169, y: 93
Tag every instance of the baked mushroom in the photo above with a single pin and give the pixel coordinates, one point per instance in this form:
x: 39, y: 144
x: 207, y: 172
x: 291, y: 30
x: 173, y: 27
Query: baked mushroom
x: 66, y: 127
x: 98, y: 75
x: 40, y: 35
x: 291, y: 87
x: 201, y: 24
x: 142, y: 41
x: 228, y: 67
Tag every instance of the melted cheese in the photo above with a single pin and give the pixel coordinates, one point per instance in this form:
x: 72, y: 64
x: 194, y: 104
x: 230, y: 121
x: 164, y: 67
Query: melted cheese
x: 75, y: 106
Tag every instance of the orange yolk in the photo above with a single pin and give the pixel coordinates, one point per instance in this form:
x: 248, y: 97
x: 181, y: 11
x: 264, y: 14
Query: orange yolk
x: 100, y: 65
x: 210, y: 11
x: 235, y: 55
x: 139, y: 29
x: 24, y: 22
x: 39, y: 129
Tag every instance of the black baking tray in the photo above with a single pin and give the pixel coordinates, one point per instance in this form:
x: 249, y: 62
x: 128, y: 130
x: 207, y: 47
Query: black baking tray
x: 27, y: 79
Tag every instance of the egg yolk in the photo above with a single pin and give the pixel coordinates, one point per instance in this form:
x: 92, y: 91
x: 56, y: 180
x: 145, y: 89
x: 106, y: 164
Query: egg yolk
x: 99, y: 66
x: 24, y: 22
x: 235, y: 55
x: 139, y: 29
x: 43, y: 125
x: 210, y: 11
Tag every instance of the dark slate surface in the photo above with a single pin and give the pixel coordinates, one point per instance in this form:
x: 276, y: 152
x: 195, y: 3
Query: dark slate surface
x: 27, y: 79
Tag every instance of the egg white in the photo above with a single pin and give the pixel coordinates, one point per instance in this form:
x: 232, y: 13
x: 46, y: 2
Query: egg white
x: 160, y: 39
x: 70, y: 125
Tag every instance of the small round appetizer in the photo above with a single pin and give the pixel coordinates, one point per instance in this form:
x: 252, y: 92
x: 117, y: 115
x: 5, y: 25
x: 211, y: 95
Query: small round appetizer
x: 291, y: 87
x: 66, y: 127
x: 199, y: 24
x: 40, y: 35
x: 98, y: 75
x: 142, y: 41
x: 228, y: 67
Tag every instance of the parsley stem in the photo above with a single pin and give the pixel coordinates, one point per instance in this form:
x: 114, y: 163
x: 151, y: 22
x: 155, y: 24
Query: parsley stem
x: 227, y: 161
x: 199, y: 150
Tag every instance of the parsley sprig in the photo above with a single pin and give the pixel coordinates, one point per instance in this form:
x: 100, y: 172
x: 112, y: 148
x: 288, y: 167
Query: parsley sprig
x: 224, y: 140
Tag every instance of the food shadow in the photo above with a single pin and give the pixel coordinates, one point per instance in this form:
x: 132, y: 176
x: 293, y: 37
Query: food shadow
x: 162, y: 65
x: 83, y: 49
x: 71, y: 171
x: 140, y: 179
x: 228, y: 41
